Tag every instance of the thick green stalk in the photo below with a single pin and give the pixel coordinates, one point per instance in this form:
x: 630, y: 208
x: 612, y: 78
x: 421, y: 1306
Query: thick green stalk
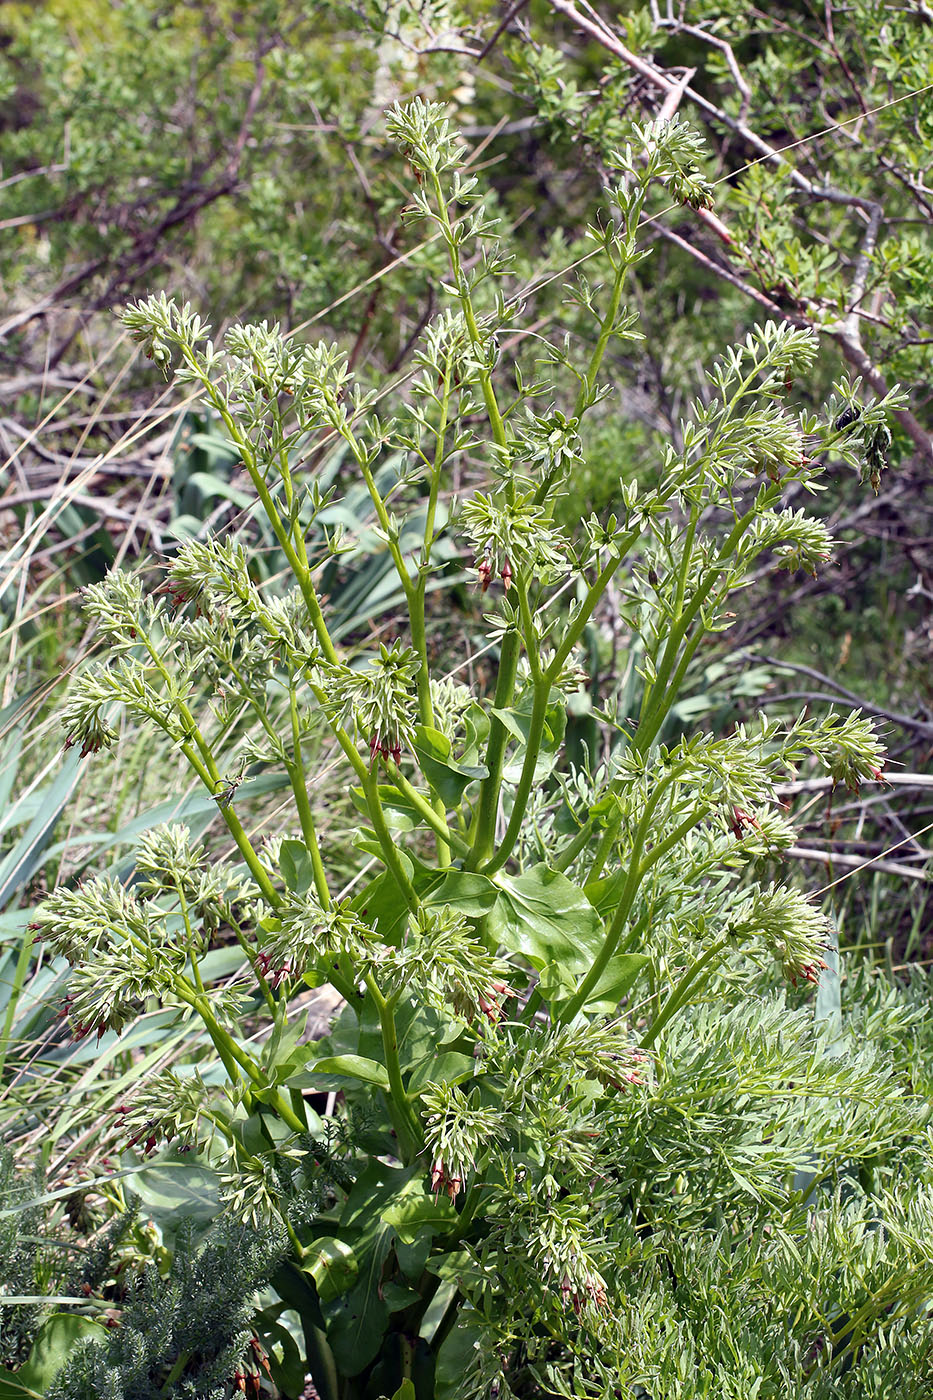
x: 383, y: 835
x: 253, y: 959
x: 175, y: 1373
x: 414, y: 591
x: 542, y: 691
x: 407, y: 1127
x: 483, y: 839
x: 604, y: 849
x: 374, y: 806
x: 484, y: 823
x: 296, y: 554
x: 189, y: 936
x: 574, y: 847
x: 678, y: 601
x: 638, y: 869
x: 483, y: 830
x: 427, y: 812
x: 416, y: 610
x: 662, y: 696
x: 220, y: 1037
x: 607, y: 326
x: 606, y: 330
x: 590, y: 603
x: 493, y: 412
x: 612, y: 825
x: 296, y: 775
x: 201, y: 759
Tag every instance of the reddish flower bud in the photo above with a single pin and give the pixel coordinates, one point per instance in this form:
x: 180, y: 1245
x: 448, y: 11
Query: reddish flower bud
x: 741, y: 819
x: 442, y: 1180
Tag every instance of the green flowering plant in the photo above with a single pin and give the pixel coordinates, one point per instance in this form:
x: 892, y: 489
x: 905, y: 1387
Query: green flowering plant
x: 563, y: 1038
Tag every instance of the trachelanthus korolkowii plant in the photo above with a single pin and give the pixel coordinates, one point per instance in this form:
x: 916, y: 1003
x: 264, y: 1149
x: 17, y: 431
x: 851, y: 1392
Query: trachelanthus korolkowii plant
x: 583, y: 1141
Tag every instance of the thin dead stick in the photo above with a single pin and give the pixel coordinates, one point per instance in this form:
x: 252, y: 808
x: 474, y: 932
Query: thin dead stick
x: 873, y: 860
x: 854, y: 863
x: 907, y: 780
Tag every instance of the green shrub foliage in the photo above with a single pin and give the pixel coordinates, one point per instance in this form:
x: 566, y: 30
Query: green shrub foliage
x: 187, y: 1335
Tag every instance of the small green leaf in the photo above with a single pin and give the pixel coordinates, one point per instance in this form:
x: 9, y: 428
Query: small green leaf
x: 472, y: 895
x: 383, y: 906
x: 555, y: 983
x: 419, y: 1028
x: 396, y: 1296
x: 450, y: 1067
x: 333, y: 1266
x: 289, y: 1373
x: 447, y: 777
x: 346, y: 1066
x: 298, y: 1291
x: 295, y: 865
x: 619, y: 974
x: 356, y: 1329
x: 406, y: 1391
x: 517, y: 720
x: 171, y: 1191
x: 399, y: 811
x: 415, y: 1210
x: 368, y: 843
x: 604, y: 894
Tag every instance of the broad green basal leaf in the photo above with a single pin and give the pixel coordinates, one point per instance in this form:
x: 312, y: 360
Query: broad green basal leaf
x: 545, y: 917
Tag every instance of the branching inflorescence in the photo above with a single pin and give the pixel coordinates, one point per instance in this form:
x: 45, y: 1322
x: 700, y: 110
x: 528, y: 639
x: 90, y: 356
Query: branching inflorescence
x: 511, y: 1024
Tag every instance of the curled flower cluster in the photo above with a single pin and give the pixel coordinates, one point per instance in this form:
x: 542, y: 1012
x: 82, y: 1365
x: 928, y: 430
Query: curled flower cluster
x: 305, y: 932
x: 168, y: 1107
x: 796, y: 932
x: 378, y: 699
x: 587, y: 1291
x: 455, y: 969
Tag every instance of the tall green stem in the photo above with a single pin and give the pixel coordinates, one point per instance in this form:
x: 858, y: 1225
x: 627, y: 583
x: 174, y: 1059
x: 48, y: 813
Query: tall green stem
x: 483, y: 832
x: 293, y: 548
x: 201, y: 760
x: 225, y: 1043
x: 296, y: 775
x: 542, y: 691
x: 383, y: 835
x: 407, y: 1127
x: 493, y: 412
